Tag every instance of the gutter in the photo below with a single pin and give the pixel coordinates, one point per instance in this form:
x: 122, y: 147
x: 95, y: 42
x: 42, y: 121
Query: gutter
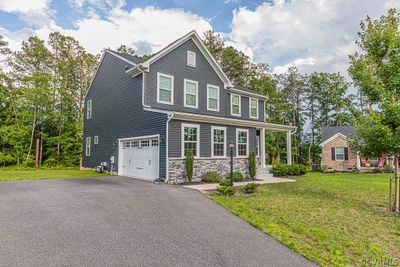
x: 170, y: 116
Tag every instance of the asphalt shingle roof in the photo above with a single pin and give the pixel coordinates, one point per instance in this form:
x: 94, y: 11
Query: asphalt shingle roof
x: 328, y: 132
x: 134, y: 59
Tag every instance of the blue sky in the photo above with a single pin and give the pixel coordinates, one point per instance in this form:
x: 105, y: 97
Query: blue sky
x: 314, y: 35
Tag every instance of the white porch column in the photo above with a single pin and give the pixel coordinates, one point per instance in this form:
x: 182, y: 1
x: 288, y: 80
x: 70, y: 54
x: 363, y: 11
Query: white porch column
x: 358, y: 162
x: 289, y: 147
x: 262, y: 147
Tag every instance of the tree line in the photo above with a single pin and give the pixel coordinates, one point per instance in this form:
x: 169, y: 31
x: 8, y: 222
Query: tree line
x: 42, y: 89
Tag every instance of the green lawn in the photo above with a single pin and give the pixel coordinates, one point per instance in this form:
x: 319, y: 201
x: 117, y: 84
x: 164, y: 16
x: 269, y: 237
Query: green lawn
x: 7, y: 174
x: 331, y: 219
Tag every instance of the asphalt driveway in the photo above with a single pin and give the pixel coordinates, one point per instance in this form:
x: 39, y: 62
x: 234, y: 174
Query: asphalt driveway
x: 118, y: 221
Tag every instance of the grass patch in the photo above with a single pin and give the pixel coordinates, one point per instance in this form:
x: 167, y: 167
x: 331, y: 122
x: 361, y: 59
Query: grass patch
x: 331, y: 219
x: 9, y: 174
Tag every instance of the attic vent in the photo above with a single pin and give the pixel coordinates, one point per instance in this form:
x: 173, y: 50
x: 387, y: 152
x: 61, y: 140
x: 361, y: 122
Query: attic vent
x: 191, y: 58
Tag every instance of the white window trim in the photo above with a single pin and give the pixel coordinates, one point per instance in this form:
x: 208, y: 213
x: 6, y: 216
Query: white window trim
x: 240, y: 105
x: 344, y: 156
x: 237, y: 143
x: 184, y: 93
x: 96, y: 140
x: 88, y: 145
x: 187, y: 58
x: 212, y: 141
x: 208, y: 97
x: 89, y: 111
x: 251, y: 99
x: 159, y: 74
x: 183, y: 125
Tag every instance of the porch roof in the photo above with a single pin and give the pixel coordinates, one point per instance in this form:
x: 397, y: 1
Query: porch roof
x: 234, y: 122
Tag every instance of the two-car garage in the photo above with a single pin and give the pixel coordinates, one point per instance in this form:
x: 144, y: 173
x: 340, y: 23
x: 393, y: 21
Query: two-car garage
x: 139, y: 157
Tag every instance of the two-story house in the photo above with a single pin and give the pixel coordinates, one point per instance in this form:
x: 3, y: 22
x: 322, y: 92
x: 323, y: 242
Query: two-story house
x: 146, y: 113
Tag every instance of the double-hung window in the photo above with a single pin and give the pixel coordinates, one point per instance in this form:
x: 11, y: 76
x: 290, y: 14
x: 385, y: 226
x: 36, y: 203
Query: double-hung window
x: 88, y: 144
x: 253, y: 108
x: 212, y: 97
x: 191, y: 139
x: 218, y: 141
x: 165, y: 88
x: 191, y: 97
x: 89, y: 109
x: 235, y: 105
x: 339, y: 153
x: 242, y: 142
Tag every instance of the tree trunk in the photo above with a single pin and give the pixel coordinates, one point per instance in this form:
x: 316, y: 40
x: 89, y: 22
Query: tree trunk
x: 396, y: 184
x: 37, y: 152
x: 41, y: 150
x: 32, y: 132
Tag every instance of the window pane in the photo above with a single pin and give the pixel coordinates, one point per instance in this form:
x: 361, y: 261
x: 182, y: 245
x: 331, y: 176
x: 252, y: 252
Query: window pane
x: 165, y: 95
x: 190, y: 100
x: 218, y: 149
x: 191, y: 146
x: 235, y: 100
x: 212, y: 92
x: 242, y: 150
x: 254, y: 112
x: 190, y: 88
x: 339, y: 150
x: 254, y: 103
x: 235, y: 109
x: 190, y: 134
x: 165, y: 83
x: 242, y: 137
x: 212, y: 103
x: 218, y: 136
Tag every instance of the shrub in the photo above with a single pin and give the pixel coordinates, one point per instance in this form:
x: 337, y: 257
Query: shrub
x: 29, y: 162
x: 280, y: 170
x: 224, y: 182
x: 189, y: 164
x: 252, y: 165
x: 237, y: 177
x: 50, y: 162
x: 285, y: 170
x: 250, y: 188
x: 226, y: 190
x: 211, y: 177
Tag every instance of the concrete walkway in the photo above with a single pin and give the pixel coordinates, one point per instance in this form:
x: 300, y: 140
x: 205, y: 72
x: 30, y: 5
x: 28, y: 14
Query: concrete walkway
x: 264, y: 178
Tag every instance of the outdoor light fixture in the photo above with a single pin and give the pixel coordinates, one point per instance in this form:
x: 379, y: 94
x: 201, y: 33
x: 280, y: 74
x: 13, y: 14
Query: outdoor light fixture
x: 231, y: 147
x: 162, y: 140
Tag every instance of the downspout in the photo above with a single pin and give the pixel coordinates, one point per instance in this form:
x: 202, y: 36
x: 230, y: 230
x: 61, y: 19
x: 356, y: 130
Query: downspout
x: 170, y: 116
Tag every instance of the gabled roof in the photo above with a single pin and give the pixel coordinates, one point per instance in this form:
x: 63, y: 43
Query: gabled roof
x: 329, y: 133
x: 134, y: 59
x: 197, y: 40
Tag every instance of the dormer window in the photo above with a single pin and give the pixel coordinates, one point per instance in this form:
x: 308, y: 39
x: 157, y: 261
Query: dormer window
x: 191, y: 58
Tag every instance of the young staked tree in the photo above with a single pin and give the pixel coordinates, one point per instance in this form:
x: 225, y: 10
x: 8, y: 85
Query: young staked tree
x: 376, y: 72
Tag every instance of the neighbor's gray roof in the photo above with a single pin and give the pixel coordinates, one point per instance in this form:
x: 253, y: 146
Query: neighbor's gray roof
x: 134, y: 59
x: 328, y: 132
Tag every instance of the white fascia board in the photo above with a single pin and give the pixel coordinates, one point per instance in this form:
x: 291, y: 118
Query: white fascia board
x: 333, y: 138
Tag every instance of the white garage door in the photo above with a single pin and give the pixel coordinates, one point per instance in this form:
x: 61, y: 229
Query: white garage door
x: 140, y: 158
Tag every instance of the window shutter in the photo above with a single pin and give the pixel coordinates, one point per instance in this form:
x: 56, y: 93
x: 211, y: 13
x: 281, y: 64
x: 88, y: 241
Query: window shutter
x: 333, y: 153
x: 346, y: 153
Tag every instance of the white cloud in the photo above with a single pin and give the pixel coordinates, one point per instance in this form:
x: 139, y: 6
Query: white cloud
x: 35, y: 12
x: 299, y: 63
x: 283, y: 33
x: 144, y: 29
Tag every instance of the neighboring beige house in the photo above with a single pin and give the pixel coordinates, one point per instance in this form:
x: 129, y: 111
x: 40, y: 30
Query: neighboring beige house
x: 337, y: 156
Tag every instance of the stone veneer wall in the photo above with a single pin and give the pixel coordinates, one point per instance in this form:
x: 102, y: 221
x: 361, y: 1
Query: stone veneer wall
x: 177, y: 169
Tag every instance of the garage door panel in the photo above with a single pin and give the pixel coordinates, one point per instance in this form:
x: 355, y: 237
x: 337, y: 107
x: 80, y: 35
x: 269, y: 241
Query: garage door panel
x: 140, y: 158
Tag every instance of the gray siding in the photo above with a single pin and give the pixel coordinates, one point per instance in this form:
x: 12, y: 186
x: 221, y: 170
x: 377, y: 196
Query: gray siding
x: 174, y: 63
x: 118, y: 113
x: 175, y: 136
